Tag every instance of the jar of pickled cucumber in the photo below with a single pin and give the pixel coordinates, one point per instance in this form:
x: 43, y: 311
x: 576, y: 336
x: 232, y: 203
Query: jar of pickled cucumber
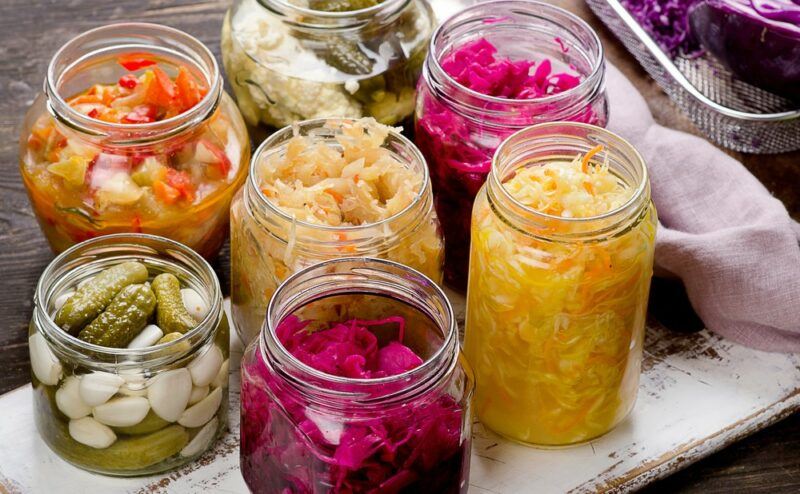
x: 563, y: 234
x: 129, y: 355
x: 290, y: 60
x: 357, y: 382
x: 325, y: 189
x: 134, y: 133
x: 493, y: 69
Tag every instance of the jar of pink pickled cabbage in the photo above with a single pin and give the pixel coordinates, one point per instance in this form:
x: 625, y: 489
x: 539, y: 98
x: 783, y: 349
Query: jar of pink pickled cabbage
x: 356, y: 384
x: 491, y: 70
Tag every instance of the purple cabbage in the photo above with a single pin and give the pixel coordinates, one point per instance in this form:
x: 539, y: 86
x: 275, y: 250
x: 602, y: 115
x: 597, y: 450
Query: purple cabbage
x: 667, y: 22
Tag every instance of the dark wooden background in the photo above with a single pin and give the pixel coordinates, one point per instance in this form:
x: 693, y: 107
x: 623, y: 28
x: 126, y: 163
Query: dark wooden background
x: 32, y: 30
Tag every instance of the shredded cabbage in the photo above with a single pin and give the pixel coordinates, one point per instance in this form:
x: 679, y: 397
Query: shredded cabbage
x: 355, y: 184
x: 555, y: 328
x: 290, y: 446
x: 459, y: 150
x: 667, y: 22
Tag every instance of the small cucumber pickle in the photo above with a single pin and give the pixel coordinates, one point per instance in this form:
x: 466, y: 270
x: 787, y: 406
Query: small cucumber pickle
x: 129, y: 349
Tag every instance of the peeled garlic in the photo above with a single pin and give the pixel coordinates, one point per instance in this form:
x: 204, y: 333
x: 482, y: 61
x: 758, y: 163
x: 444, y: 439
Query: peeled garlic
x: 68, y: 399
x: 194, y: 303
x: 205, y: 367
x: 146, y: 337
x: 46, y: 367
x: 92, y: 433
x: 199, y: 414
x: 169, y: 393
x: 59, y: 302
x: 122, y: 412
x: 221, y: 381
x: 202, y: 440
x: 198, y: 393
x: 98, y: 387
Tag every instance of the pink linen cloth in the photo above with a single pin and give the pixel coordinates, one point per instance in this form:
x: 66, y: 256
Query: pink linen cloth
x: 733, y: 245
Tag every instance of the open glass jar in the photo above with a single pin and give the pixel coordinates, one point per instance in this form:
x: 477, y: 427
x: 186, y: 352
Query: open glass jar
x: 402, y: 425
x: 290, y: 60
x: 458, y: 128
x: 133, y: 133
x: 139, y: 409
x: 556, y: 304
x: 268, y: 243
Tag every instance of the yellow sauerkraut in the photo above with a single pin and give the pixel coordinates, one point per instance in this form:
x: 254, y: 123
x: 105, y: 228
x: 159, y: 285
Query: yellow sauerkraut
x: 554, y: 327
x: 379, y: 203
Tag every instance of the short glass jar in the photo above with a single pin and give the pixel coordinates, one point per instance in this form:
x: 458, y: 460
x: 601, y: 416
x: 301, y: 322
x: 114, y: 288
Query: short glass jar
x: 458, y: 129
x: 84, y: 394
x: 268, y: 244
x: 290, y: 60
x: 304, y: 430
x: 173, y: 177
x: 556, y: 305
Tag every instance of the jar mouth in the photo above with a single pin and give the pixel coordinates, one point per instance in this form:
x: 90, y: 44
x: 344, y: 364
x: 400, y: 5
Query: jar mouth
x: 613, y: 144
x: 115, y: 39
x: 143, y: 244
x: 527, y: 7
x: 278, y: 138
x: 324, y: 19
x: 363, y: 267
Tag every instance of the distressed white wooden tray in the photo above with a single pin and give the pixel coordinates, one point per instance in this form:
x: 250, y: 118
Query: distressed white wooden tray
x: 698, y: 394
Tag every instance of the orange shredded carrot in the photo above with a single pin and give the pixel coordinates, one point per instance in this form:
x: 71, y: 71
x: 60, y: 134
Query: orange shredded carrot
x: 588, y: 157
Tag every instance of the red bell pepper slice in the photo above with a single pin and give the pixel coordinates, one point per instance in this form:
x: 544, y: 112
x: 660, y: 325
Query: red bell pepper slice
x: 189, y: 91
x: 136, y: 61
x: 162, y: 92
x: 181, y: 182
x: 129, y: 81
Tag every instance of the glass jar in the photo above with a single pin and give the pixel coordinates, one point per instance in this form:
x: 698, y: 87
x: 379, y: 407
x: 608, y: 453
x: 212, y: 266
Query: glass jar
x: 458, y: 129
x: 304, y: 430
x: 268, y: 245
x: 173, y: 177
x: 288, y: 62
x: 556, y: 305
x: 129, y: 411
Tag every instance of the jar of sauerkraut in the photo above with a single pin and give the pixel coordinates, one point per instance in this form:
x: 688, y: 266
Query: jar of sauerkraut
x: 493, y: 69
x: 290, y: 60
x: 129, y: 347
x: 325, y: 189
x: 356, y: 384
x: 134, y: 133
x: 563, y: 235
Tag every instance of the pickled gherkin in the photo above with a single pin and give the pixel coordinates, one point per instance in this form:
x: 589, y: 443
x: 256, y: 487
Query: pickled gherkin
x: 123, y: 319
x: 90, y: 299
x: 341, y: 5
x: 347, y: 57
x: 171, y: 315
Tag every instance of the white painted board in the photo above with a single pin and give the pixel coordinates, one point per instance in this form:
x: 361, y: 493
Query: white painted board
x: 698, y: 394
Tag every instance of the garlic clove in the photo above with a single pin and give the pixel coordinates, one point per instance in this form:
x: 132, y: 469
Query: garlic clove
x: 45, y: 365
x: 98, y: 387
x: 202, y: 440
x: 69, y: 401
x: 169, y: 393
x: 202, y: 412
x: 92, y: 433
x: 221, y: 381
x: 198, y: 393
x: 146, y: 337
x: 194, y: 303
x: 205, y: 367
x: 122, y: 412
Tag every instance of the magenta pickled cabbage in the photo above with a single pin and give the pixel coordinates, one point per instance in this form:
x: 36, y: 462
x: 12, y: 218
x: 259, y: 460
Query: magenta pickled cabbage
x: 459, y: 150
x: 290, y: 447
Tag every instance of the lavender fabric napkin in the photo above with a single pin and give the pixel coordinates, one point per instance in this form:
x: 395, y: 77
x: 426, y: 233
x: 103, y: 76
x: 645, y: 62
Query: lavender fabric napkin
x: 734, y: 245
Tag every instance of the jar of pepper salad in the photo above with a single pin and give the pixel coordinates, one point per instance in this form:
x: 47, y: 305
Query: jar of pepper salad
x: 133, y: 133
x: 356, y: 385
x: 563, y: 235
x: 493, y: 69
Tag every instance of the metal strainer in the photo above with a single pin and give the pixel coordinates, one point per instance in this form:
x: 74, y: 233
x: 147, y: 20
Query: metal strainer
x: 730, y: 112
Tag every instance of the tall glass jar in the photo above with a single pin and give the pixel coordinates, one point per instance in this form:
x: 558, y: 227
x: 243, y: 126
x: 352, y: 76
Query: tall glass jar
x: 174, y: 177
x: 268, y: 245
x: 458, y: 129
x: 290, y: 60
x: 129, y: 411
x: 556, y: 305
x: 304, y: 430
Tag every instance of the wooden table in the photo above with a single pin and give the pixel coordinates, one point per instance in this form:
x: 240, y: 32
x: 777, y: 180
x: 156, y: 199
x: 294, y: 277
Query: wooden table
x: 31, y: 31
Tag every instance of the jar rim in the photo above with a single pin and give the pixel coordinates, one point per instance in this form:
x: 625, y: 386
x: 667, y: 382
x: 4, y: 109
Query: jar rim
x: 148, y: 354
x: 638, y: 192
x: 146, y: 36
x: 285, y: 7
x: 593, y: 79
x: 429, y: 366
x: 274, y: 139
